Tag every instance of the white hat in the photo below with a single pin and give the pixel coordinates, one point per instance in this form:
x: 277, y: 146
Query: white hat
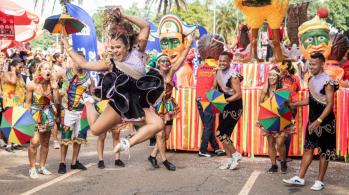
x: 171, y: 23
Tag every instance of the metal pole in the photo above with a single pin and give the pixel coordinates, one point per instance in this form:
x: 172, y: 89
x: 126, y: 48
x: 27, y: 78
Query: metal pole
x: 214, y: 17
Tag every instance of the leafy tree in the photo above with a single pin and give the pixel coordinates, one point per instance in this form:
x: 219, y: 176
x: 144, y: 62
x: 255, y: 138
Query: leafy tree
x: 226, y: 20
x: 338, y: 16
x: 167, y: 5
x: 44, y: 41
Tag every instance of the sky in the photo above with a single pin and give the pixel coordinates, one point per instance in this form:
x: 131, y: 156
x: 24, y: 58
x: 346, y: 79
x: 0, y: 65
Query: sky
x: 89, y: 5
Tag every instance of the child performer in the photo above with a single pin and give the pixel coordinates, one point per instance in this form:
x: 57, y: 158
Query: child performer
x: 321, y: 128
x: 275, y: 137
x: 41, y: 93
x: 228, y: 81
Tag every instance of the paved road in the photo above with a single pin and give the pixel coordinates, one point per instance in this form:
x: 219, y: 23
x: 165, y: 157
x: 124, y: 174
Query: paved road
x: 193, y: 175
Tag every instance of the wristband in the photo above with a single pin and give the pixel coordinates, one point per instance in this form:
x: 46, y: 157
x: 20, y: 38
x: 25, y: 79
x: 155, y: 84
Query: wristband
x: 190, y: 45
x: 318, y: 119
x: 68, y: 50
x: 13, y: 72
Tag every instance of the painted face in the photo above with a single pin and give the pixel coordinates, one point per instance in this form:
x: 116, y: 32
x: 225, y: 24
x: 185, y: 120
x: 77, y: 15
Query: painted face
x: 273, y: 78
x: 119, y: 49
x: 46, y: 71
x: 172, y: 45
x: 164, y: 64
x: 224, y: 62
x: 315, y: 42
x: 316, y: 66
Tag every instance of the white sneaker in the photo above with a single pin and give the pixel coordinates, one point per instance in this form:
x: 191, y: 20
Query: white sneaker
x: 236, y: 162
x: 318, y: 185
x: 226, y: 166
x: 88, y: 98
x: 44, y: 171
x: 33, y: 174
x: 56, y: 145
x: 295, y: 180
x: 122, y: 146
x: 2, y: 143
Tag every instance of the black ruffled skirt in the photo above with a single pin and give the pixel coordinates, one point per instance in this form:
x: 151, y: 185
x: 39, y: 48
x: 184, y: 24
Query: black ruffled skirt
x: 128, y: 96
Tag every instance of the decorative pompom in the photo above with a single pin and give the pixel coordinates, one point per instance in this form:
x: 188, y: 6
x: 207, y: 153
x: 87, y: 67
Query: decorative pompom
x: 322, y: 13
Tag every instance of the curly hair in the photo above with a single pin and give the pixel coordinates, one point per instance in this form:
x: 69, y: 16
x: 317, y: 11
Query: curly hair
x: 207, y: 46
x: 118, y: 28
x: 244, y: 38
x: 38, y: 70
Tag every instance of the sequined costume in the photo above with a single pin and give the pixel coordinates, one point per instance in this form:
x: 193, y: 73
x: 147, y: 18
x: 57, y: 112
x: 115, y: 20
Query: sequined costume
x: 43, y: 111
x: 324, y: 138
x: 129, y: 88
x: 233, y: 110
x: 168, y: 108
x: 73, y: 129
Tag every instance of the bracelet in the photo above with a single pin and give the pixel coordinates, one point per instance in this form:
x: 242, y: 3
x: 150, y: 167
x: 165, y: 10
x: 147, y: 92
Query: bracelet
x: 68, y: 50
x: 318, y: 119
x: 13, y: 72
x: 190, y: 45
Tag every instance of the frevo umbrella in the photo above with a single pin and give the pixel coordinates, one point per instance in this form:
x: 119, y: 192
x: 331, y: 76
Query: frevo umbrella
x: 273, y: 117
x: 63, y: 24
x: 213, y: 102
x: 18, y: 125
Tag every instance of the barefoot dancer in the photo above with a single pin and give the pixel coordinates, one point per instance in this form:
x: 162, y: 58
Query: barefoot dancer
x: 41, y: 93
x: 129, y: 89
x: 168, y: 108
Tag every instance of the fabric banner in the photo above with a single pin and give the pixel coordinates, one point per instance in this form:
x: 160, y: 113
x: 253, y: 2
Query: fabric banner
x: 86, y: 40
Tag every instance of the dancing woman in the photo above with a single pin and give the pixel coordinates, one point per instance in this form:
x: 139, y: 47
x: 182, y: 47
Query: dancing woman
x: 228, y: 82
x: 276, y: 137
x: 168, y: 108
x: 131, y: 91
x: 40, y: 97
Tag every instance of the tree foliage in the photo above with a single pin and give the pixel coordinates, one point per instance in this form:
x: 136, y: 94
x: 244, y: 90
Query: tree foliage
x: 44, y: 41
x: 167, y: 6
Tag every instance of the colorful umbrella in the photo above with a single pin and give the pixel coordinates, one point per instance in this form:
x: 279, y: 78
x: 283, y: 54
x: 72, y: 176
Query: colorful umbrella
x: 18, y: 125
x: 83, y: 122
x: 272, y: 117
x: 63, y: 24
x: 281, y: 96
x: 213, y: 102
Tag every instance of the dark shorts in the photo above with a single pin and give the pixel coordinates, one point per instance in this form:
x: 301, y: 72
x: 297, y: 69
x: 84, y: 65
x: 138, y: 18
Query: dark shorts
x: 170, y: 122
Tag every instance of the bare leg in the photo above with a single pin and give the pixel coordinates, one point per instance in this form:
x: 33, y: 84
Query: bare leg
x: 323, y: 164
x: 64, y: 150
x: 152, y: 125
x: 32, y: 150
x: 306, y: 161
x: 229, y: 149
x: 271, y: 149
x: 280, y: 141
x: 76, y: 150
x: 160, y: 146
x: 54, y: 132
x: 132, y: 128
x: 253, y: 55
x: 44, y: 140
x: 116, y: 140
x: 101, y: 123
x: 100, y: 145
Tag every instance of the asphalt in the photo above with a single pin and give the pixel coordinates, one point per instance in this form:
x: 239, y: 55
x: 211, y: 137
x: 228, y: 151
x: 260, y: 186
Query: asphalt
x: 194, y: 175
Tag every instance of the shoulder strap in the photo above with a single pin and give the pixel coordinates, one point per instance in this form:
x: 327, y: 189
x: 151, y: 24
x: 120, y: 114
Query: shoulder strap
x: 311, y: 87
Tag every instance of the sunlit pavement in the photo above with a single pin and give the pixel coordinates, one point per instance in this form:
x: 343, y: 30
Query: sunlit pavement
x: 194, y: 175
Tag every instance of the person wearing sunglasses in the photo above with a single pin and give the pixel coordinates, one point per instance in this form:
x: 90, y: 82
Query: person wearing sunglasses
x: 167, y: 109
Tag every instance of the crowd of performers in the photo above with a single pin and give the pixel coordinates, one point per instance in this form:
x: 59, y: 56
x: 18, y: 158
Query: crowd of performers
x: 144, y: 99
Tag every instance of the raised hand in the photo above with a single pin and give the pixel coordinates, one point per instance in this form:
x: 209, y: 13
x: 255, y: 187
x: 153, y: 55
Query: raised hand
x: 65, y: 42
x: 191, y: 38
x: 54, y: 83
x: 119, y: 9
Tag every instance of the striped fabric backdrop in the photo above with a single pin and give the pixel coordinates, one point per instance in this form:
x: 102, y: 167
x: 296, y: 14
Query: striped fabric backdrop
x: 187, y: 128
